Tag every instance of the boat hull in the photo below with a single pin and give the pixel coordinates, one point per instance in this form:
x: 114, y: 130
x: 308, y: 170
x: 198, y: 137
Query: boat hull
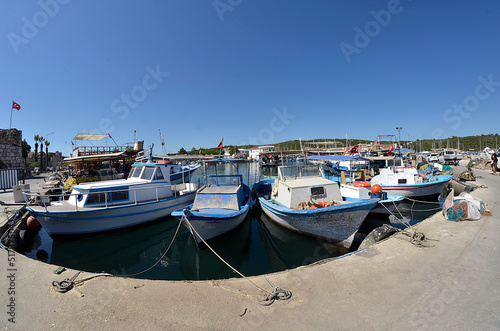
x: 88, y: 221
x: 421, y: 190
x: 336, y: 224
x: 212, y: 223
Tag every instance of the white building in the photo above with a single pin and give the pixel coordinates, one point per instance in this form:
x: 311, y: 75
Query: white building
x: 256, y: 152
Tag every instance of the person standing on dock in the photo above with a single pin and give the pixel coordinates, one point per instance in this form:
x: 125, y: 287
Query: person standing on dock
x: 494, y: 160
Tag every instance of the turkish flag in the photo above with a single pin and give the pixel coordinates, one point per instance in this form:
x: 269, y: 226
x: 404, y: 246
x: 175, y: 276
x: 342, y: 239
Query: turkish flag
x: 355, y: 149
x: 16, y: 105
x: 199, y: 152
x: 220, y: 144
x: 392, y: 148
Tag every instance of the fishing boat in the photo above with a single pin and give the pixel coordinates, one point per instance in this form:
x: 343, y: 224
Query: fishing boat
x: 364, y: 190
x: 303, y: 200
x: 405, y: 181
x: 220, y: 205
x: 146, y: 195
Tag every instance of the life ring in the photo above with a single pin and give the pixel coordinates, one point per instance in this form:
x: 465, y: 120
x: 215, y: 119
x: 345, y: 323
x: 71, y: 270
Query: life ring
x: 361, y: 184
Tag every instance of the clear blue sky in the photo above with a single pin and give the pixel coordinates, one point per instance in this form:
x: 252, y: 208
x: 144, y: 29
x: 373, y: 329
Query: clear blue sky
x: 249, y: 71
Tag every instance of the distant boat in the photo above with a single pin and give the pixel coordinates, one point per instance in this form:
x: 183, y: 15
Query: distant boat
x: 144, y: 196
x: 303, y: 200
x: 182, y: 174
x: 219, y: 206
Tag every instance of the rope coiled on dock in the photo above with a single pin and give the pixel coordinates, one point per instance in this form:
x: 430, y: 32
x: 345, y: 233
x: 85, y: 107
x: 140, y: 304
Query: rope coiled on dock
x: 276, y: 294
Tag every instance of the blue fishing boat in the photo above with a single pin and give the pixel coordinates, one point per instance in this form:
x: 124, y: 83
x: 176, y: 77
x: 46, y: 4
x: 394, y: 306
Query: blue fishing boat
x: 220, y: 205
x: 303, y: 200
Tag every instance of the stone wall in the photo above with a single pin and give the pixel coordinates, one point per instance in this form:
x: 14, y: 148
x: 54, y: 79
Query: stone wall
x: 10, y: 148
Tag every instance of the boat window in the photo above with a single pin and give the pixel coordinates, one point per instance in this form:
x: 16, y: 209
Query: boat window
x: 119, y: 195
x: 318, y: 192
x: 158, y: 174
x: 147, y: 173
x: 135, y: 172
x: 97, y: 197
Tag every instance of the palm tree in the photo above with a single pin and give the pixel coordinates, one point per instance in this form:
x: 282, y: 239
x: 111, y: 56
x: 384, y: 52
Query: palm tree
x: 47, y: 144
x: 41, y: 140
x: 37, y: 139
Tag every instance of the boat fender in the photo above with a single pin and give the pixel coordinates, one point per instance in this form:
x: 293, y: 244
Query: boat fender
x: 275, y: 187
x: 377, y: 235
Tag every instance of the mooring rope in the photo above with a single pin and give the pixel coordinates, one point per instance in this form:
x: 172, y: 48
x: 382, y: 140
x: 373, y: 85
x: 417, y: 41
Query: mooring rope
x: 276, y: 294
x: 416, y: 238
x: 68, y: 283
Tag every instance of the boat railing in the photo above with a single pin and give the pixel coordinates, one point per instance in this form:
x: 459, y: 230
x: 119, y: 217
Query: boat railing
x: 104, y: 198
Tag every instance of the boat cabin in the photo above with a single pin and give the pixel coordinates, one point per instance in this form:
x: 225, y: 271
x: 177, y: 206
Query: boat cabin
x: 304, y: 184
x: 146, y: 182
x: 220, y: 192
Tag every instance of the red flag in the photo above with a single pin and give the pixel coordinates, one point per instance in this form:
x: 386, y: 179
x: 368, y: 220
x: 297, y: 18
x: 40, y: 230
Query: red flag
x: 220, y: 144
x: 16, y: 105
x: 355, y: 149
x: 199, y: 152
x: 72, y: 143
x: 109, y: 136
x: 390, y: 150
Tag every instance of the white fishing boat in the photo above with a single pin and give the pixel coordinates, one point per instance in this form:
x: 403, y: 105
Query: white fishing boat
x: 364, y: 190
x: 408, y: 182
x: 301, y: 199
x: 146, y: 195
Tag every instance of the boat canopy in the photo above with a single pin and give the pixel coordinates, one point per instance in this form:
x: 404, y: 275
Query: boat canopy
x: 335, y: 158
x: 94, y: 158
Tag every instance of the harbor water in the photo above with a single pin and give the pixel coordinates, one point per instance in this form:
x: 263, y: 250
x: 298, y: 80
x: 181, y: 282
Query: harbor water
x: 257, y: 247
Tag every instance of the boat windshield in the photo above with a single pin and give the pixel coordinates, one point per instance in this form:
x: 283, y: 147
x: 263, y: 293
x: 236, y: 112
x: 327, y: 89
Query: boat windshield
x: 135, y: 172
x: 223, y: 180
x: 293, y: 172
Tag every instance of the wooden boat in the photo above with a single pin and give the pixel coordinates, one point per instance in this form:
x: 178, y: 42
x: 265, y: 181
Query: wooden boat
x: 144, y: 196
x: 303, y: 200
x: 220, y: 205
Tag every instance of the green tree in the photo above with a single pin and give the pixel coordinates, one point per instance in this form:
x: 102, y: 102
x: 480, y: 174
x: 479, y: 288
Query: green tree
x: 37, y: 139
x: 182, y: 151
x: 41, y: 140
x: 25, y: 149
x: 47, y: 144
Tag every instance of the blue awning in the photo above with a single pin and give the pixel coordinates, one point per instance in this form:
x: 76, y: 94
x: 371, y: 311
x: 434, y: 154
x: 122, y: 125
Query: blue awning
x: 335, y: 158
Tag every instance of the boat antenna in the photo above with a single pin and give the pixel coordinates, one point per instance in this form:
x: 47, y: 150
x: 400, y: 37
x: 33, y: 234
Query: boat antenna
x: 162, y: 140
x: 151, y: 153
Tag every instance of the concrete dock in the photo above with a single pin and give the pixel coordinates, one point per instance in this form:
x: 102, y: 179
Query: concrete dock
x: 454, y: 284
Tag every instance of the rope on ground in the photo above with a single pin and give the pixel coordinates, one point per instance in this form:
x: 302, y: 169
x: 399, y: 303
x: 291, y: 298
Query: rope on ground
x: 276, y: 294
x: 416, y: 238
x: 67, y: 284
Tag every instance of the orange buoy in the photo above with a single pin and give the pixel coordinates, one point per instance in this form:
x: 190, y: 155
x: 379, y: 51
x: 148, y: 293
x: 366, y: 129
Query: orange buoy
x: 33, y: 223
x: 361, y: 184
x: 376, y: 188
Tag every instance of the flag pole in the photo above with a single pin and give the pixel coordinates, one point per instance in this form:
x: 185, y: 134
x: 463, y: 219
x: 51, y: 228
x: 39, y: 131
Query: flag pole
x: 11, y: 114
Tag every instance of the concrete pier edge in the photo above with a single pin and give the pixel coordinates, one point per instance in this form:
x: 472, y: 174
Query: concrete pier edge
x: 393, y: 285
